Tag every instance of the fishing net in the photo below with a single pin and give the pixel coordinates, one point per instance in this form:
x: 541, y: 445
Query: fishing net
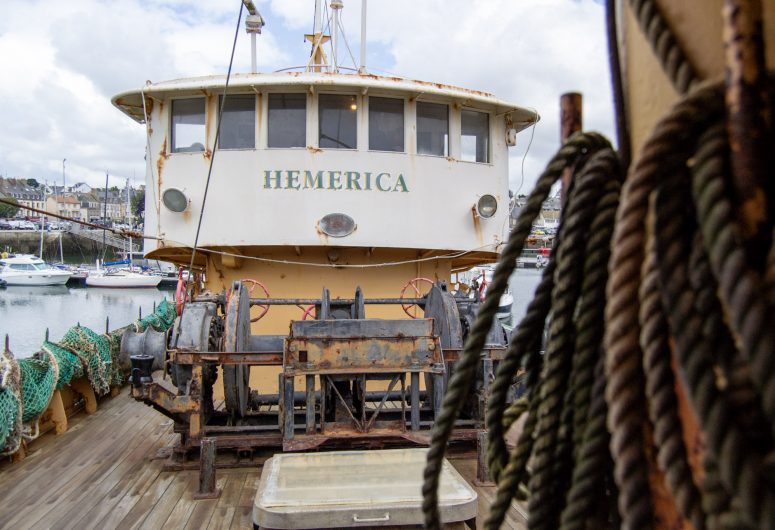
x: 26, y: 385
x: 10, y: 402
x: 95, y: 352
x: 70, y: 365
x: 160, y: 320
x: 38, y: 380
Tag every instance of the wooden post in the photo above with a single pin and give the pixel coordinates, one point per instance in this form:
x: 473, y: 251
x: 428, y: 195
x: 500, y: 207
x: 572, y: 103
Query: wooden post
x: 570, y: 122
x: 57, y: 410
x: 83, y: 387
x: 207, y: 489
x: 482, y: 471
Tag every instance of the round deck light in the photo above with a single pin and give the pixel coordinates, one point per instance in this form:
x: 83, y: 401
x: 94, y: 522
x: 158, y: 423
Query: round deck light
x: 174, y: 199
x: 337, y: 225
x: 486, y: 206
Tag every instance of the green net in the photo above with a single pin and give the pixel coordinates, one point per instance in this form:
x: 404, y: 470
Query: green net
x: 95, y: 352
x: 70, y: 365
x: 9, y: 401
x: 161, y: 319
x: 9, y: 410
x: 38, y: 378
x: 26, y: 385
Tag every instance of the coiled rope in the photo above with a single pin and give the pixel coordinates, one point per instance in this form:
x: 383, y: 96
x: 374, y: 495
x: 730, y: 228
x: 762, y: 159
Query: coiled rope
x: 685, y: 313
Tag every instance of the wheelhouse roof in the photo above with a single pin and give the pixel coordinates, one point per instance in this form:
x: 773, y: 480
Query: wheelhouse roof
x: 131, y: 104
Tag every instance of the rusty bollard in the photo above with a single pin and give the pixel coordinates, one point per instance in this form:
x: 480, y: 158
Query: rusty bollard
x: 207, y: 489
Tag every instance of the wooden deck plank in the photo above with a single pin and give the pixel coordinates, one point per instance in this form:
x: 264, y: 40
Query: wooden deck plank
x: 64, y: 445
x: 249, y: 488
x: 158, y: 515
x: 203, y: 509
x: 221, y: 518
x: 183, y: 508
x: 137, y: 514
x: 80, y: 500
x: 45, y: 486
x: 102, y: 510
x: 243, y: 518
x: 101, y: 474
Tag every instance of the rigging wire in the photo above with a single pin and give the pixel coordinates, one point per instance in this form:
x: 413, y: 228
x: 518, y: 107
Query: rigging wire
x: 215, y: 144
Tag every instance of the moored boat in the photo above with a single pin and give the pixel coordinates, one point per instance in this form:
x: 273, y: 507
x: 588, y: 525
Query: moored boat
x: 26, y: 269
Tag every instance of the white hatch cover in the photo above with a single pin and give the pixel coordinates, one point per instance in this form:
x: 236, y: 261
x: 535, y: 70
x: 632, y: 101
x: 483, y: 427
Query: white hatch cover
x: 355, y: 488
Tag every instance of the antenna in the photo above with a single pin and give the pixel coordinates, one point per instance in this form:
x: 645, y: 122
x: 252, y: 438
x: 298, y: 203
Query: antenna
x: 336, y: 6
x: 253, y: 24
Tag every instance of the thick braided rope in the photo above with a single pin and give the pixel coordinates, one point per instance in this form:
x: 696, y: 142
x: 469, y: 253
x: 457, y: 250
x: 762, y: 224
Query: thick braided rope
x: 588, y: 345
x: 734, y: 370
x: 527, y: 338
x: 740, y: 287
x: 664, y: 44
x: 591, y: 308
x: 552, y: 455
x: 460, y: 382
x: 672, y: 454
x: 589, y: 471
x: 588, y: 351
x: 515, y: 410
x: 663, y: 154
x: 515, y: 472
x: 739, y: 462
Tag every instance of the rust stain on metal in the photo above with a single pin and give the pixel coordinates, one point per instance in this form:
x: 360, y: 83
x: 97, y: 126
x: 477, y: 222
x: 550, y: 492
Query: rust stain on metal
x: 313, y: 149
x: 477, y: 226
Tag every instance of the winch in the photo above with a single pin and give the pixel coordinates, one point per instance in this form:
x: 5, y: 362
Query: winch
x: 345, y: 380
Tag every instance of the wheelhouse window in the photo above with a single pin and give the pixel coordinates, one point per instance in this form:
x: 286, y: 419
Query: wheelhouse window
x: 386, y: 124
x: 287, y: 120
x: 238, y: 122
x: 188, y: 125
x: 475, y: 131
x: 432, y: 129
x: 338, y: 127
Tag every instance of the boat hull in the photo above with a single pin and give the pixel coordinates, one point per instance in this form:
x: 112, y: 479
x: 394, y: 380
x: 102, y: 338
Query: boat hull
x: 94, y: 280
x: 54, y: 278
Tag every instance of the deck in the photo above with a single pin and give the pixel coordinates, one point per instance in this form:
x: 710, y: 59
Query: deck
x: 104, y: 473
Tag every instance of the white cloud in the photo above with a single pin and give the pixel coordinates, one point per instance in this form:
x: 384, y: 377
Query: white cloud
x: 62, y: 61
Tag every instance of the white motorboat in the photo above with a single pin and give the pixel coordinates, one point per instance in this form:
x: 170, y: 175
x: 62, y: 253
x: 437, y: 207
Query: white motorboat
x: 24, y: 269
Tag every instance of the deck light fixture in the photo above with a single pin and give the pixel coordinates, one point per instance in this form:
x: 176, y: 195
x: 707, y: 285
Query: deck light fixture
x: 486, y: 206
x: 174, y: 199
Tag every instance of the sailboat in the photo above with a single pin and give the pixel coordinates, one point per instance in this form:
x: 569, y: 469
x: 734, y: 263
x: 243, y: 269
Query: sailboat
x: 108, y: 276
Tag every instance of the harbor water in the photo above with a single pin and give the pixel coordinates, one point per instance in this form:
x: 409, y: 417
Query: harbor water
x: 26, y: 312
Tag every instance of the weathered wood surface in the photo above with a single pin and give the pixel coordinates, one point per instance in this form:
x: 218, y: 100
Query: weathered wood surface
x: 102, y: 473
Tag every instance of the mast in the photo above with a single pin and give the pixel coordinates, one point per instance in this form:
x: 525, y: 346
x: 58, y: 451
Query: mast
x: 362, y: 67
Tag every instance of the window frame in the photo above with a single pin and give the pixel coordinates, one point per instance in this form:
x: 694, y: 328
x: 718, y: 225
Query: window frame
x: 171, y: 148
x: 404, y: 121
x: 266, y: 126
x: 450, y: 117
x: 255, y: 121
x: 358, y: 114
x: 489, y: 134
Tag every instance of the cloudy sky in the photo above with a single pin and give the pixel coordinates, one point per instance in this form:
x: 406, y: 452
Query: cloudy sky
x: 61, y: 62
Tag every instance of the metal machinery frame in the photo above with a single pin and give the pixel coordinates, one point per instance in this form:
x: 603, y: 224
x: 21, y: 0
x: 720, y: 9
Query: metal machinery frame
x: 337, y: 354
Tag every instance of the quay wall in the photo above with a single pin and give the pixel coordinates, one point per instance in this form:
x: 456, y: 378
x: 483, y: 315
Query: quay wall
x: 75, y: 249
